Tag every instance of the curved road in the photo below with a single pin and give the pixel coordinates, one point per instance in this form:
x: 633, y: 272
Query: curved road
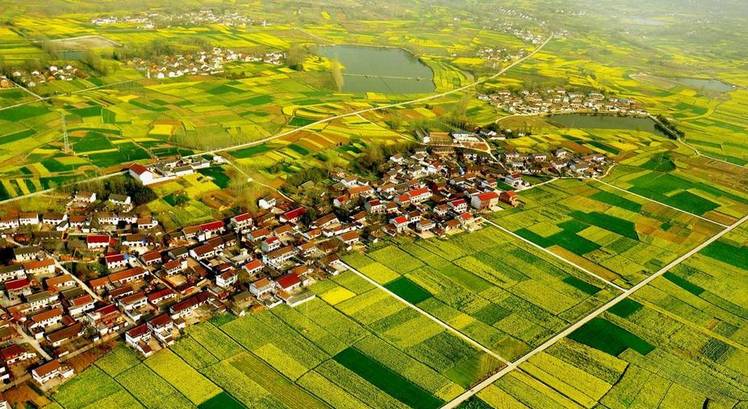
x: 381, y: 107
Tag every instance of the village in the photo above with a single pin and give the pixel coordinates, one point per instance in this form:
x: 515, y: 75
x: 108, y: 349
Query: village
x: 148, y: 285
x: 33, y: 78
x: 153, y: 20
x: 560, y: 101
x: 200, y: 63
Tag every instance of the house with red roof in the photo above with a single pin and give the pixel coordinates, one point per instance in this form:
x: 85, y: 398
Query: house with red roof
x: 293, y: 216
x: 15, y: 353
x: 485, y: 200
x: 242, y: 222
x: 510, y: 197
x: 254, y: 267
x: 97, y: 241
x: 419, y: 195
x: 458, y: 206
x: 50, y: 370
x: 141, y: 174
x: 46, y: 266
x: 400, y: 223
x: 161, y: 296
x: 188, y: 306
x: 18, y: 287
x: 288, y: 282
x: 115, y: 261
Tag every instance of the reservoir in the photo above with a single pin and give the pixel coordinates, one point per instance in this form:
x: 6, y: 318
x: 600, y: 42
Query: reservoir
x: 380, y: 69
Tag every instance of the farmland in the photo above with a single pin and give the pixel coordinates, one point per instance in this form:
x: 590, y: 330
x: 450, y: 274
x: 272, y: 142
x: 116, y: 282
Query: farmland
x: 491, y: 287
x: 310, y: 356
x: 419, y: 321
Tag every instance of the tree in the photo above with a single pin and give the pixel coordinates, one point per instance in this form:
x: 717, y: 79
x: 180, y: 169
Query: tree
x: 336, y: 69
x: 297, y: 54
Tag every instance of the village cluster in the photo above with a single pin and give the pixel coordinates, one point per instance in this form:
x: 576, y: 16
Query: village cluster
x: 559, y: 101
x: 200, y: 63
x: 34, y: 78
x: 153, y: 20
x: 169, y: 169
x: 149, y: 285
x: 498, y: 54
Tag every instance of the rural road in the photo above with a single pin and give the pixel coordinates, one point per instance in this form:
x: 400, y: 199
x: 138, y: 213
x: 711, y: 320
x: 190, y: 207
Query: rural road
x: 655, y: 201
x: 472, y: 391
x: 543, y: 249
x: 441, y: 323
x: 291, y: 131
x: 381, y: 107
x: 41, y: 98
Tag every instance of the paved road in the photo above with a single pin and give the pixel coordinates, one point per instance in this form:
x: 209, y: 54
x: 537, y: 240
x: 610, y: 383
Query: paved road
x: 80, y: 91
x: 33, y: 342
x: 291, y: 131
x: 544, y: 250
x: 655, y: 201
x: 472, y: 391
x: 381, y: 107
x: 429, y: 316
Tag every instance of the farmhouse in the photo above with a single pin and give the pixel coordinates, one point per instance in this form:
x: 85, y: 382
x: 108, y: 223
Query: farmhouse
x: 261, y: 287
x: 484, y: 200
x: 97, y: 241
x: 50, y: 370
x: 184, y: 308
x: 142, y: 174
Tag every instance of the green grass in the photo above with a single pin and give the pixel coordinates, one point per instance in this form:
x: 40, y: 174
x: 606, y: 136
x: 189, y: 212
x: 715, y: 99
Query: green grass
x: 683, y: 283
x: 388, y: 381
x: 608, y: 337
x: 23, y: 112
x: 611, y: 223
x: 625, y: 308
x: 218, y: 175
x: 660, y: 162
x: 16, y: 136
x: 581, y: 285
x: 299, y: 121
x: 617, y: 201
x: 656, y: 187
x: 567, y: 239
x: 127, y: 152
x: 92, y: 141
x: 727, y: 253
x: 408, y: 290
x: 249, y: 152
x: 221, y: 401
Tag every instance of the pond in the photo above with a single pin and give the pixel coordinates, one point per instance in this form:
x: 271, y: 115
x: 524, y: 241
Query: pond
x: 583, y: 121
x: 703, y: 84
x: 380, y: 69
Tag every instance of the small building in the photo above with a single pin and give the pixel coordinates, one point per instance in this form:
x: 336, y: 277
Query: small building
x: 97, y: 241
x: 485, y: 200
x: 509, y: 197
x: 262, y: 287
x: 141, y: 173
x: 50, y: 370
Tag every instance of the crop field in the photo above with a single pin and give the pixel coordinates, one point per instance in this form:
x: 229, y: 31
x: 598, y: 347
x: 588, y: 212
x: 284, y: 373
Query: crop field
x: 493, y: 288
x: 353, y: 346
x: 621, y: 237
x: 635, y: 354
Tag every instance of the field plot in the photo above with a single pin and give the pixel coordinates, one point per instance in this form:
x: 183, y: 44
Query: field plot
x: 708, y: 292
x: 691, y: 184
x: 491, y: 287
x: 631, y: 356
x: 618, y: 236
x: 362, y: 350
